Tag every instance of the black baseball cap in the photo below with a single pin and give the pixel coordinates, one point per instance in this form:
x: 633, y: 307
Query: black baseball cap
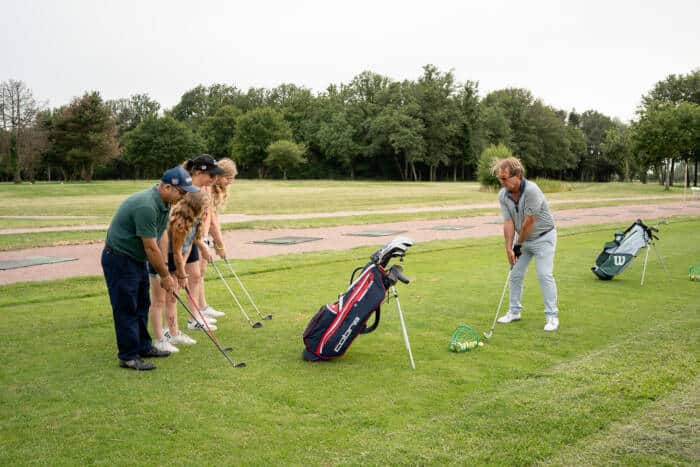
x: 206, y: 163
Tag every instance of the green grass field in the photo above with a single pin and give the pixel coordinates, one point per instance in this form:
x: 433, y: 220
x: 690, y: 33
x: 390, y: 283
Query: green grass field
x: 287, y: 197
x: 617, y: 384
x: 95, y: 203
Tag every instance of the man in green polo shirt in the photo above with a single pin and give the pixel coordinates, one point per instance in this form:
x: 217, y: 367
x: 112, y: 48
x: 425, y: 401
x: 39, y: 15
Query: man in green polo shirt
x: 132, y: 239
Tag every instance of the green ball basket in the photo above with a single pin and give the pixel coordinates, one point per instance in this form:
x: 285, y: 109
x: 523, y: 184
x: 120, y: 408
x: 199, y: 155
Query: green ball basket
x: 464, y: 339
x: 694, y: 273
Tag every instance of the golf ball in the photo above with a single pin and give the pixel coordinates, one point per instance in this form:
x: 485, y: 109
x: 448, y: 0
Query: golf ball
x: 481, y: 344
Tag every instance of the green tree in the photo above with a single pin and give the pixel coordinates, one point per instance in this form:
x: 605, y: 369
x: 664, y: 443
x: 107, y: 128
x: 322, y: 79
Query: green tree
x: 157, y: 144
x: 471, y: 135
x: 201, y: 102
x: 219, y: 129
x: 618, y: 150
x: 285, y: 155
x: 665, y: 133
x: 129, y: 112
x: 255, y: 131
x: 488, y: 157
x: 440, y: 116
x: 81, y: 136
x: 594, y: 165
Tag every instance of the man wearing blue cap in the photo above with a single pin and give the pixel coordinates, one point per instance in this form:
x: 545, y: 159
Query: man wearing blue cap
x: 132, y: 239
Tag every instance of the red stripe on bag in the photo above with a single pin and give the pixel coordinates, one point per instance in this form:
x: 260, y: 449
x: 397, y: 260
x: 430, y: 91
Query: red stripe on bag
x: 363, y: 285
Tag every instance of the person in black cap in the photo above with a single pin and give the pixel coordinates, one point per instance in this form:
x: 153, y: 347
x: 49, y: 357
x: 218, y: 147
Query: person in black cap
x: 203, y: 170
x: 132, y: 239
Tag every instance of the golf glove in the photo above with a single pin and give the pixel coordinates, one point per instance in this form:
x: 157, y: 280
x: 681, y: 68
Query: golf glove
x: 517, y: 250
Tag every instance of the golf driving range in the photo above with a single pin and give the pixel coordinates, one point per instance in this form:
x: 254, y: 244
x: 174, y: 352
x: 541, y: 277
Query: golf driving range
x: 617, y: 383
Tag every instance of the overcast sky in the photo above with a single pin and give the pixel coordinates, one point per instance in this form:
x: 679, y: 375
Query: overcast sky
x: 591, y: 54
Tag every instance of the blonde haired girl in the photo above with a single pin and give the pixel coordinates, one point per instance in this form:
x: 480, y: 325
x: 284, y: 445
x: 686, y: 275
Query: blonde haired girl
x: 212, y: 226
x: 179, y: 242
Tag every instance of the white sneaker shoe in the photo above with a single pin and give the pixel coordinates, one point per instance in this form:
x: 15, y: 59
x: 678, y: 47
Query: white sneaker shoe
x: 181, y: 339
x: 164, y: 346
x: 552, y: 323
x: 212, y: 313
x: 509, y: 318
x: 200, y: 326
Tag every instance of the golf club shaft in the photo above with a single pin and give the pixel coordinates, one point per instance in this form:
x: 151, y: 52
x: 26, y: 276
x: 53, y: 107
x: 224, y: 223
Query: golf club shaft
x: 235, y: 299
x: 500, y: 302
x: 218, y: 346
x: 403, y: 327
x: 250, y: 299
x: 202, y: 319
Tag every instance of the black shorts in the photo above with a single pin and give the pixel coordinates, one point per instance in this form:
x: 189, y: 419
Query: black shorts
x: 193, y: 258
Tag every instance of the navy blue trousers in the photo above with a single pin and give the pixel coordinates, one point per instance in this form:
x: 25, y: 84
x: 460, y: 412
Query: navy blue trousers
x: 127, y: 283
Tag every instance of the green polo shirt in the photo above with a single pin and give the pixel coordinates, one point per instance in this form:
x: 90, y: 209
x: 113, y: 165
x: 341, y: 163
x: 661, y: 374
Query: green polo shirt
x: 141, y: 215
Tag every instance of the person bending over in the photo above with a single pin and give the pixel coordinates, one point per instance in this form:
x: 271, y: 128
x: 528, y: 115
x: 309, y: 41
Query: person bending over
x: 526, y: 216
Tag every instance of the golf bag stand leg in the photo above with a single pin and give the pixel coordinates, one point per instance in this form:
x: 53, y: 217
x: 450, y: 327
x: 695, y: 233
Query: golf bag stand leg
x: 644, y: 267
x: 403, y: 327
x: 661, y: 260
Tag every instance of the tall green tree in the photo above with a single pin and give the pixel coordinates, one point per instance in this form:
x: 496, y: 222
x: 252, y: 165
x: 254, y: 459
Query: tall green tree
x: 618, y: 150
x: 595, y: 165
x: 81, y: 136
x: 665, y: 133
x: 255, y: 131
x: 201, y: 102
x: 219, y: 129
x: 158, y: 143
x: 129, y: 112
x: 439, y: 114
x: 471, y: 135
x: 285, y: 155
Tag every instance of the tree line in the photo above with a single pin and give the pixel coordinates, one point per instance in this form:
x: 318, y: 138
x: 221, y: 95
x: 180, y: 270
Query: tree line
x: 373, y: 127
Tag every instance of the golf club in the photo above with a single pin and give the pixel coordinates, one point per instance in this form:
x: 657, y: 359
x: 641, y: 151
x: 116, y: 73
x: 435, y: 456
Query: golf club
x: 255, y: 325
x: 250, y: 299
x: 489, y: 334
x: 209, y: 334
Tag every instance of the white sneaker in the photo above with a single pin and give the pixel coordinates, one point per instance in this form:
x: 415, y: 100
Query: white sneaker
x: 552, y: 323
x: 212, y: 313
x: 164, y: 346
x: 509, y: 318
x: 182, y: 339
x: 200, y: 326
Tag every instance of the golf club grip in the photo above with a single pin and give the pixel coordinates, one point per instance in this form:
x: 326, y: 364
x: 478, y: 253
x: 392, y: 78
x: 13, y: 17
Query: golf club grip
x: 402, y: 278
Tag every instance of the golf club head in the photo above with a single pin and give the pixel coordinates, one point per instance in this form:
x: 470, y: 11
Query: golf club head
x: 268, y: 317
x: 240, y: 365
x: 488, y: 335
x: 394, y: 249
x: 256, y: 325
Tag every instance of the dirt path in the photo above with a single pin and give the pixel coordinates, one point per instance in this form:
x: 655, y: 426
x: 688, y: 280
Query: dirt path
x: 233, y: 218
x: 239, y: 243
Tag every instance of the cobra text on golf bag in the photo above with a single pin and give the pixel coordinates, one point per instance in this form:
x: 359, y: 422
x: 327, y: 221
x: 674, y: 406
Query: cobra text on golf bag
x: 618, y: 254
x: 335, y: 326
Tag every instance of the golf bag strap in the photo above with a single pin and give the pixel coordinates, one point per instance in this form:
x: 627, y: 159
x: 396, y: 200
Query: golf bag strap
x: 377, y: 315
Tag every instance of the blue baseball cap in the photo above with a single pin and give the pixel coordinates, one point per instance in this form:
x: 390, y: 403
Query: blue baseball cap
x: 178, y: 177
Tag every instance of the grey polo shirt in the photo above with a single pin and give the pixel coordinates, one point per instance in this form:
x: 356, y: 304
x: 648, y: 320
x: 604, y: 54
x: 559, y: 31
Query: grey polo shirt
x: 531, y: 203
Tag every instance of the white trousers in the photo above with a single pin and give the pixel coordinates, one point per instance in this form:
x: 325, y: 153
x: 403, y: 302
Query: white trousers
x: 542, y: 249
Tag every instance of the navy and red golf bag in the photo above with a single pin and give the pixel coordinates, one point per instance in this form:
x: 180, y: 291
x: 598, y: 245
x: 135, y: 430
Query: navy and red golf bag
x: 335, y: 326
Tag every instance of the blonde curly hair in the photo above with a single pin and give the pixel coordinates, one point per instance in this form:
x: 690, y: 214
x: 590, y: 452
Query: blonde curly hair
x: 219, y: 189
x: 187, y: 211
